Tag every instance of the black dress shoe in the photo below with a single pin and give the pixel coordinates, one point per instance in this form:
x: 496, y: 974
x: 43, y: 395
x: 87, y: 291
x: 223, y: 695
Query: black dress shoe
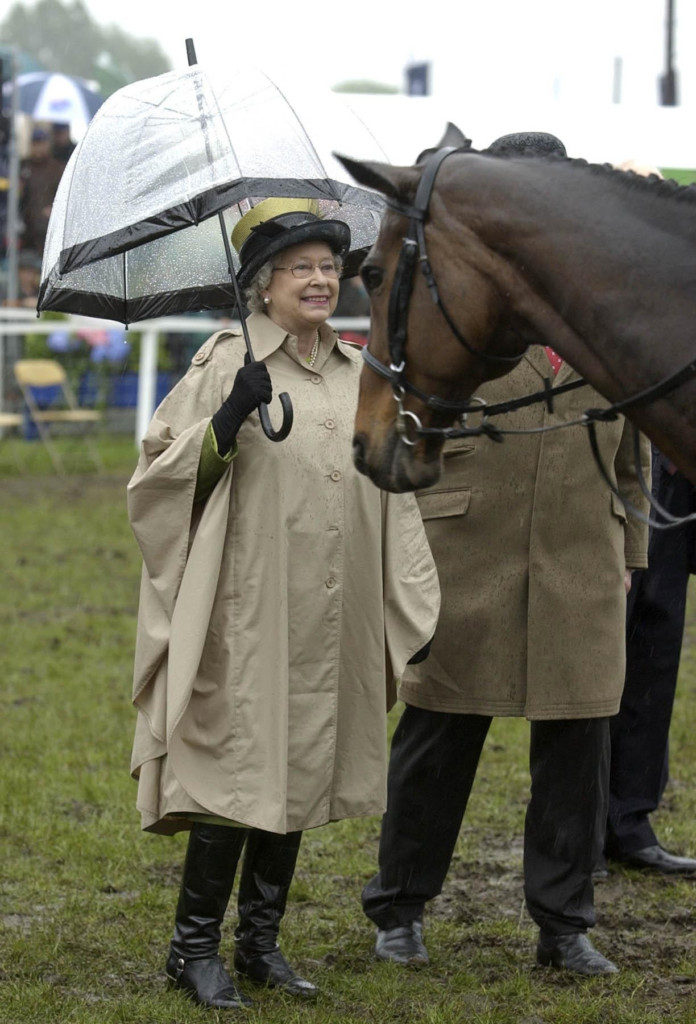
x: 574, y: 952
x: 273, y: 970
x: 402, y: 945
x: 654, y: 858
x: 206, y: 982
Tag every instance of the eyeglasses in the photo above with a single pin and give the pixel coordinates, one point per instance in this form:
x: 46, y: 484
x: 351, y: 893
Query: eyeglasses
x: 304, y: 268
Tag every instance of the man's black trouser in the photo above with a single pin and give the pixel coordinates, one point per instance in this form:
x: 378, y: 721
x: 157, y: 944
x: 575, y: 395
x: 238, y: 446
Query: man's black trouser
x: 654, y: 630
x: 433, y: 763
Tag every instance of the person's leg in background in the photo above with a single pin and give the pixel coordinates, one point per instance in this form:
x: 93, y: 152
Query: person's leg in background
x: 640, y: 731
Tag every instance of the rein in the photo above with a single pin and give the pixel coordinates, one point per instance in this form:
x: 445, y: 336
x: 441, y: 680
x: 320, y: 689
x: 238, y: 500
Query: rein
x: 408, y: 425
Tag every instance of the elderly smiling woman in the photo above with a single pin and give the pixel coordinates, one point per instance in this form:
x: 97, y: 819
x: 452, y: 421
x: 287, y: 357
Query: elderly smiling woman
x: 281, y: 595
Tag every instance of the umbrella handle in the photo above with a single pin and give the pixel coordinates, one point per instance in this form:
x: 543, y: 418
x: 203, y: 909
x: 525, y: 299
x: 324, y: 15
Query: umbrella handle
x: 267, y: 426
x: 285, y: 401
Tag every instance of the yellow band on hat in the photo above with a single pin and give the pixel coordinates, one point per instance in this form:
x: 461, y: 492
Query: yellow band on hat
x: 267, y: 210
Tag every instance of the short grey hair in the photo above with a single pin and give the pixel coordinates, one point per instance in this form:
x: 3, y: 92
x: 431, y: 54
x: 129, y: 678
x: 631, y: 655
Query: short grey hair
x: 253, y: 295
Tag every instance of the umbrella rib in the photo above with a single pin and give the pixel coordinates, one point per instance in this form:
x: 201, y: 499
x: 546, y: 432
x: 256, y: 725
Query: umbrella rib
x: 224, y: 126
x: 67, y: 207
x: 371, y: 134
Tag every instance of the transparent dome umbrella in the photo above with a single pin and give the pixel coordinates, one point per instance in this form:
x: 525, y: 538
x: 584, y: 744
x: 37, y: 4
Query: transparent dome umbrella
x: 142, y: 218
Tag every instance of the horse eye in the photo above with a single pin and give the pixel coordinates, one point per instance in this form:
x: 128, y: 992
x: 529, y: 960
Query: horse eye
x: 372, y: 277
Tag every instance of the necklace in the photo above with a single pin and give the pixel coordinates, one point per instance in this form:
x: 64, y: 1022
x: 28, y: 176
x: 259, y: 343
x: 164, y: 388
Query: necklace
x: 311, y: 358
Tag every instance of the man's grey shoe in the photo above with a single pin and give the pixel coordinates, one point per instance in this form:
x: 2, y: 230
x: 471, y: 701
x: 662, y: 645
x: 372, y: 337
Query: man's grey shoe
x: 402, y: 945
x: 654, y: 858
x: 573, y: 952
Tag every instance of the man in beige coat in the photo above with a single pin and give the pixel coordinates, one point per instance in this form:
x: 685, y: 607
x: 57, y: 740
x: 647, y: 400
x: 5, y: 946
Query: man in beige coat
x: 534, y: 553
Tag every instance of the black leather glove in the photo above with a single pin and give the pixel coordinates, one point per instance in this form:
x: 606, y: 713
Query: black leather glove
x: 422, y: 654
x: 252, y: 385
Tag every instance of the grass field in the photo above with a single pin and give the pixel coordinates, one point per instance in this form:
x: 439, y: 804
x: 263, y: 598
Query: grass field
x: 683, y: 175
x: 86, y: 899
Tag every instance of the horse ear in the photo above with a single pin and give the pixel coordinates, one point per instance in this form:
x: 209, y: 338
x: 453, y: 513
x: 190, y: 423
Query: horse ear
x: 452, y: 137
x: 395, y: 182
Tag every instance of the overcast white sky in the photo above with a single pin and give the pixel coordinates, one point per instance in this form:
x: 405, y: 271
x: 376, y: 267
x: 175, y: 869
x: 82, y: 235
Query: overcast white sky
x: 483, y: 46
x: 489, y: 57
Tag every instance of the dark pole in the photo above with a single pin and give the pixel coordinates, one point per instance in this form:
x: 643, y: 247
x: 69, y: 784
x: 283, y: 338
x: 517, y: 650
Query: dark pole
x: 668, y: 81
x: 12, y: 150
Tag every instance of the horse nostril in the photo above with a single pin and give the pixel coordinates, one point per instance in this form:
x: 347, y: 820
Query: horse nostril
x: 359, y: 450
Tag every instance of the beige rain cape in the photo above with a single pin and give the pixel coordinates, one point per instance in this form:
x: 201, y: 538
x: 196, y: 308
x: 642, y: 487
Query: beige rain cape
x: 274, y: 618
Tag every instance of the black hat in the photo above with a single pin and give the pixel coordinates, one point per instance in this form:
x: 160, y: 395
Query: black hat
x: 275, y: 224
x: 527, y: 144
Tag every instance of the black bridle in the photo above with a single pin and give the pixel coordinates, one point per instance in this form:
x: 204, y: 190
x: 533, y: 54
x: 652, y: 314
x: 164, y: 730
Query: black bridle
x: 408, y: 425
x: 414, y: 252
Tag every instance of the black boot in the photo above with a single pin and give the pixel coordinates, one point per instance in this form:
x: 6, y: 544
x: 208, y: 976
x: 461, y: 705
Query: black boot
x: 269, y: 864
x: 194, y: 964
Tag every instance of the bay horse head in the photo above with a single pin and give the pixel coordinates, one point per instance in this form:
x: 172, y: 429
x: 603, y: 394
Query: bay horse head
x: 483, y: 254
x: 451, y: 347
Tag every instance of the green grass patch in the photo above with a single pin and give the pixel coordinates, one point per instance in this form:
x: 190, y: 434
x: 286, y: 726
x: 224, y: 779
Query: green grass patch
x: 20, y: 458
x: 87, y: 900
x: 685, y: 176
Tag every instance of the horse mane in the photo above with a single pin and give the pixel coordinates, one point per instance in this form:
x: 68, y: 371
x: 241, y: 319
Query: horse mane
x: 666, y: 187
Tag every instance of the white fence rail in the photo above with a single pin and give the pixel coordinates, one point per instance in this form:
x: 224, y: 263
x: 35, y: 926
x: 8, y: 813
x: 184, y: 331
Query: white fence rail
x: 20, y: 322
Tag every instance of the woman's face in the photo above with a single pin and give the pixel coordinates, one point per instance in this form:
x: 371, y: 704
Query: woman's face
x: 301, y: 303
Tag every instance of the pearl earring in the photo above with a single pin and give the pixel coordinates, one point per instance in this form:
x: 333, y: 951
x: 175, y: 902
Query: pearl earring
x: 266, y: 299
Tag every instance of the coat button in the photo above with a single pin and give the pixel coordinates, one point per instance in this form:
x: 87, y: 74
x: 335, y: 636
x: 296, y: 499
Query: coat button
x: 331, y: 583
x: 336, y: 475
x: 315, y: 379
x: 329, y: 424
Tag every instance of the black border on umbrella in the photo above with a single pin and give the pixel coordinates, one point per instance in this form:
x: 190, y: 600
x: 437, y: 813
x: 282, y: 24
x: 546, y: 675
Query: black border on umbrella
x: 206, y: 205
x: 63, y: 298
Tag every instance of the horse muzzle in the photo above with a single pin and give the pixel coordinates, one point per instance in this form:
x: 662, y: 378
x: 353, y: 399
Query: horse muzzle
x: 393, y: 465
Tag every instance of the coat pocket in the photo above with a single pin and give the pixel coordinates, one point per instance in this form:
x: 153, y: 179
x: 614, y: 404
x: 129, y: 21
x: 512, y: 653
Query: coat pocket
x: 460, y: 446
x: 440, y: 504
x: 617, y: 507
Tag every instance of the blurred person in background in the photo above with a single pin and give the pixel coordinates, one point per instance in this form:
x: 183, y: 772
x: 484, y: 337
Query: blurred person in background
x: 281, y: 593
x: 640, y: 731
x: 28, y: 278
x: 62, y: 145
x: 353, y: 300
x: 4, y: 185
x: 40, y: 174
x: 535, y: 556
